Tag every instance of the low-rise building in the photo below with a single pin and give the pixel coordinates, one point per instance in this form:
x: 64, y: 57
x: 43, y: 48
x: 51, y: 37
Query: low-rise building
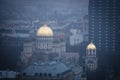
x: 7, y: 75
x: 47, y: 71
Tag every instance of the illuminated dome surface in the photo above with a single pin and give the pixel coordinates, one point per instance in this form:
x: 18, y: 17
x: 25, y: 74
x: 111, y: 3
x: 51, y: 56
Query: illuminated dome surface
x: 44, y: 31
x: 91, y: 46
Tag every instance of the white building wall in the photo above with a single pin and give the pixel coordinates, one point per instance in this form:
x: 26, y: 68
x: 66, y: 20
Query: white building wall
x: 76, y: 39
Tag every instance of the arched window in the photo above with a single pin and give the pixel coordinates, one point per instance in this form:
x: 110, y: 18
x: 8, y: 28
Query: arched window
x: 90, y: 52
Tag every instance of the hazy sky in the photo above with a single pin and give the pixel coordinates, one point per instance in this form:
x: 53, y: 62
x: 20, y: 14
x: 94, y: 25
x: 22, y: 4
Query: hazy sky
x: 13, y: 7
x: 60, y: 3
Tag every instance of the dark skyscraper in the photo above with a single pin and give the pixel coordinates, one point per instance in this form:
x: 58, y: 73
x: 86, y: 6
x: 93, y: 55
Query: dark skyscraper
x: 104, y: 24
x: 104, y: 32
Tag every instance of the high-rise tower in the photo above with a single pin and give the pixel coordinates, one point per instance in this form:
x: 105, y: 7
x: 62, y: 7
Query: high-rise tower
x: 104, y: 23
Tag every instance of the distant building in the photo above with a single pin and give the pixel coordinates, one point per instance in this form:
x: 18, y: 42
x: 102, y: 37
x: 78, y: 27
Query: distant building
x: 11, y: 46
x: 47, y: 71
x: 104, y: 22
x: 83, y: 76
x: 84, y: 23
x: 59, y: 47
x: 76, y: 37
x: 77, y: 71
x: 41, y: 45
x: 70, y: 58
x: 8, y: 74
x: 91, y: 58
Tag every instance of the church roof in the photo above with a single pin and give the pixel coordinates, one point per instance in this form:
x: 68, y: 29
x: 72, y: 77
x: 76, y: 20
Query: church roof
x: 44, y: 31
x: 91, y: 46
x: 53, y: 68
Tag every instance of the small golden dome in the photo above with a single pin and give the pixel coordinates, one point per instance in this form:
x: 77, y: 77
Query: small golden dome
x: 44, y: 31
x: 91, y: 46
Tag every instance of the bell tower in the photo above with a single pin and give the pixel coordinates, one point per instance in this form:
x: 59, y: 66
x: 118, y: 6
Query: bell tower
x: 91, y: 58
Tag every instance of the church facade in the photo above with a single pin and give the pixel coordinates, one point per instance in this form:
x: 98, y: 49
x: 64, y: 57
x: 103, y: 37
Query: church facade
x: 41, y: 46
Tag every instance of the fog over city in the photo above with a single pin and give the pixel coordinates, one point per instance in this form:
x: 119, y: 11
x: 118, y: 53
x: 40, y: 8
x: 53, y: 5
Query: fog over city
x: 59, y: 39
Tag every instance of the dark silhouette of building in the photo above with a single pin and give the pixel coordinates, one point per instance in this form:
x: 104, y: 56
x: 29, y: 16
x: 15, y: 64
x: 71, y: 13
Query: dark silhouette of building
x: 104, y: 21
x: 10, y: 48
x: 51, y: 71
x: 104, y: 31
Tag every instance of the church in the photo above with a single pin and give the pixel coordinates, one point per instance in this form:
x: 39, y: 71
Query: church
x: 91, y: 57
x: 39, y: 47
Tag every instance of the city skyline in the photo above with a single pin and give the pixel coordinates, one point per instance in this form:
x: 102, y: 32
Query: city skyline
x: 82, y: 35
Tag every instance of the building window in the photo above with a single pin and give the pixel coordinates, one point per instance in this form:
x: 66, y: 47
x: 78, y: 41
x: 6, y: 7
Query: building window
x: 58, y: 75
x: 106, y: 46
x: 40, y: 74
x: 49, y: 74
x: 74, y: 39
x: 36, y: 74
x: 45, y: 74
x: 24, y: 74
x: 100, y: 7
x: 93, y: 28
x: 99, y: 46
x: 99, y: 34
x: 99, y: 43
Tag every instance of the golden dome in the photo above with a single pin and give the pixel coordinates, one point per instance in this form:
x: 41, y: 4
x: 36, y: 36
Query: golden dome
x: 91, y: 46
x: 44, y: 31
